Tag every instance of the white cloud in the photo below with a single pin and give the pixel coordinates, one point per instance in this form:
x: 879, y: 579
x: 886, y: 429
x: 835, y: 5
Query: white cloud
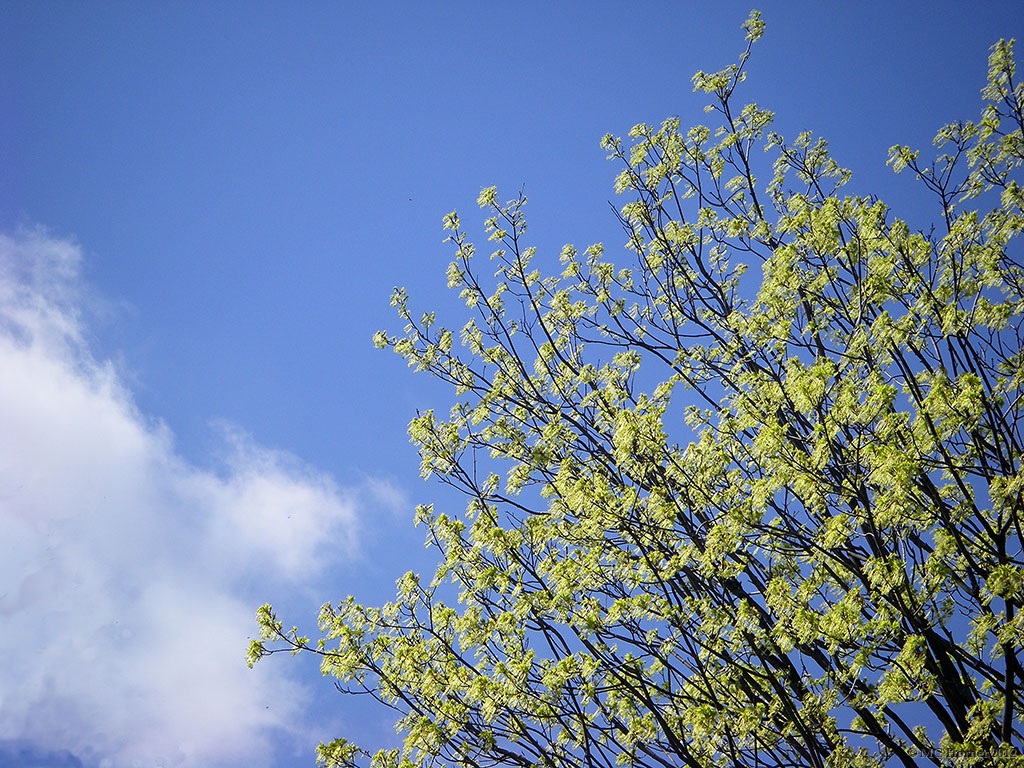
x: 122, y: 565
x: 274, y: 510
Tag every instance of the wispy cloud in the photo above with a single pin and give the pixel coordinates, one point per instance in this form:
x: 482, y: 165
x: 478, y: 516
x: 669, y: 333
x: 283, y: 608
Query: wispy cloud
x: 126, y: 572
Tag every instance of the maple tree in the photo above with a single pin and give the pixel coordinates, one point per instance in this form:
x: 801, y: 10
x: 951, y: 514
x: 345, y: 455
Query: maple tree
x: 750, y: 497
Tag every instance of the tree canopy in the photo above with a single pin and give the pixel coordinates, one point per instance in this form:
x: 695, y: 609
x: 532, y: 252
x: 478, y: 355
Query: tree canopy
x: 748, y: 493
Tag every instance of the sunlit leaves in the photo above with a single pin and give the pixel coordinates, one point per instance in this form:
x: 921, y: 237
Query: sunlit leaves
x: 748, y: 493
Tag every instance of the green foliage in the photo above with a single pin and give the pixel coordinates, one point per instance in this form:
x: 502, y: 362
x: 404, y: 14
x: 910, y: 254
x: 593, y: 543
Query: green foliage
x: 752, y: 498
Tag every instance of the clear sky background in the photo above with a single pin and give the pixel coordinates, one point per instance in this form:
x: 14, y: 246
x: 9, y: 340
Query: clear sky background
x: 203, y: 210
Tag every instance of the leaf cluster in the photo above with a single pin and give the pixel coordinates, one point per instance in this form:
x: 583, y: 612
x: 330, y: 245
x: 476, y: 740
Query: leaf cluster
x: 751, y: 496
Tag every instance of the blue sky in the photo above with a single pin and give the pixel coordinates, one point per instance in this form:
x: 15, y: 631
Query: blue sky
x: 203, y: 210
